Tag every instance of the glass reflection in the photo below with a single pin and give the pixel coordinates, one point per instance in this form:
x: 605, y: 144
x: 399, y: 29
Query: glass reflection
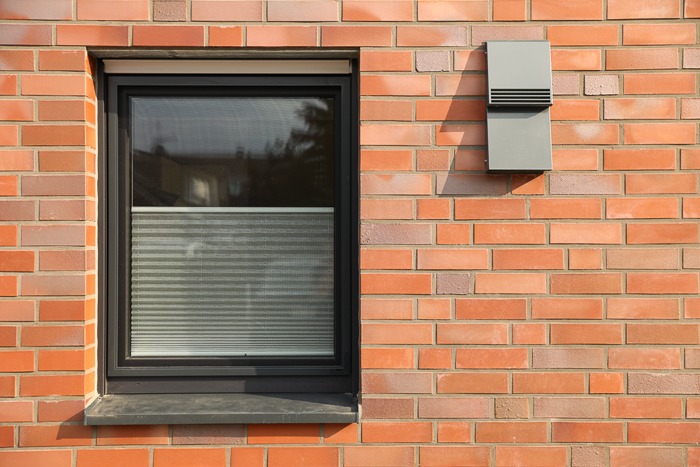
x: 228, y: 151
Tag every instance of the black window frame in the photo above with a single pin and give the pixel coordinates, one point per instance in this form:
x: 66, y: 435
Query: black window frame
x: 121, y: 375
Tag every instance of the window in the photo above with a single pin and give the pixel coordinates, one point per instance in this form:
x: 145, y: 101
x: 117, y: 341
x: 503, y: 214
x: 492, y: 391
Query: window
x: 230, y: 229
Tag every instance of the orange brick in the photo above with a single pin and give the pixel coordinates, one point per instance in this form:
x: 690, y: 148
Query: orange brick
x: 60, y: 410
x: 397, y: 432
x: 453, y: 432
x: 566, y: 35
x: 490, y: 308
x: 585, y: 133
x: 585, y: 258
x: 567, y: 308
x: 395, y: 333
x: 453, y: 234
x: 386, y: 357
x: 16, y: 362
x: 433, y: 456
x: 661, y: 183
x: 382, y: 160
x: 640, y: 109
x: 523, y: 456
x: 31, y: 458
x: 225, y: 36
x: 279, y: 36
x: 639, y: 258
x: 575, y: 109
x: 394, y: 60
x: 566, y: 208
x: 396, y: 184
x: 683, y: 334
x: 522, y: 283
x: 659, y: 83
x: 639, y: 159
x: 606, y: 383
x: 489, y: 209
x: 386, y: 309
x: 437, y: 10
x: 663, y: 432
x: 531, y: 258
x: 183, y: 36
x: 658, y: 34
x: 433, y: 209
x: 516, y: 234
x: 460, y: 85
x: 371, y: 456
x: 395, y: 135
x: 26, y: 34
x: 509, y: 10
x: 8, y: 286
x: 388, y: 85
x: 189, y: 456
x: 431, y: 36
x: 638, y: 9
x: 644, y: 359
x: 583, y: 333
x: 446, y: 110
x: 511, y: 432
x: 113, y: 10
x: 78, y: 34
x: 641, y: 59
x: 55, y: 435
x: 452, y: 259
x: 385, y: 259
x: 113, y: 457
x: 662, y: 233
x: 356, y: 36
x: 643, y: 308
x: 643, y: 456
x: 386, y: 110
x: 554, y: 10
x: 576, y: 59
x: 481, y: 34
x: 585, y: 233
x: 431, y: 358
x: 386, y: 209
x: 340, y: 433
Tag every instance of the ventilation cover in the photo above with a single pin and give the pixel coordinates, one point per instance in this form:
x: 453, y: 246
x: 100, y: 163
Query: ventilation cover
x: 519, y: 97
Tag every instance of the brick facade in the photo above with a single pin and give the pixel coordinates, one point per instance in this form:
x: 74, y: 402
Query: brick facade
x: 532, y: 320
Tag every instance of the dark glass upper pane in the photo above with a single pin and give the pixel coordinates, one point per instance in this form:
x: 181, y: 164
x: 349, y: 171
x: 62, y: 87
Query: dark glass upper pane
x: 231, y: 151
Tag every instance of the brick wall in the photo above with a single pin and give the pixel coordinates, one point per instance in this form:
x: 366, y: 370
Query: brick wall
x: 506, y: 319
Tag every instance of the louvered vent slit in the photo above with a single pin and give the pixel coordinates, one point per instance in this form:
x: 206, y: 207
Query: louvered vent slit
x: 520, y: 96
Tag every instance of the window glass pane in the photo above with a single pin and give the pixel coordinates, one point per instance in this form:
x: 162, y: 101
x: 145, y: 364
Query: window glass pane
x: 232, y: 151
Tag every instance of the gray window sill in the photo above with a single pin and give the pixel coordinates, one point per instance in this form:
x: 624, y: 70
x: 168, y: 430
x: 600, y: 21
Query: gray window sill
x: 149, y: 409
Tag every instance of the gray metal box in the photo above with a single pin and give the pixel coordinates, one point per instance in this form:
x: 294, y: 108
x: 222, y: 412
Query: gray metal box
x: 519, y: 96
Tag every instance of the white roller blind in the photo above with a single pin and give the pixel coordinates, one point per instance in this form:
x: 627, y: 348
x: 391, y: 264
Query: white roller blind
x: 232, y: 282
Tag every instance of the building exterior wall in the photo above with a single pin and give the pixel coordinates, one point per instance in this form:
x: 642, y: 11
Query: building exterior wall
x: 524, y: 319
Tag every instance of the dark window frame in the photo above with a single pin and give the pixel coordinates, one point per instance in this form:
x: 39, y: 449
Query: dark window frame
x: 121, y: 377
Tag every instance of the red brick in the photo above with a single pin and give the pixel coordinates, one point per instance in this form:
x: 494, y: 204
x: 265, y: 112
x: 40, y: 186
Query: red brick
x: 576, y: 59
x: 446, y: 110
x: 643, y: 308
x: 50, y: 336
x: 639, y: 159
x: 662, y: 233
x: 644, y: 359
x: 567, y: 308
x: 15, y: 210
x: 511, y: 432
x: 641, y: 208
x: 581, y: 333
x: 25, y: 34
x: 566, y: 35
x: 65, y: 110
x: 113, y: 457
x: 356, y: 36
x: 681, y: 334
x: 433, y: 160
x: 659, y: 83
x: 382, y: 10
x: 482, y: 334
x: 551, y: 358
x: 86, y: 35
x: 303, y: 10
x: 279, y: 36
x: 642, y: 259
x: 371, y: 456
x: 183, y: 36
x: 663, y: 433
x: 54, y: 235
x: 387, y: 408
x: 566, y: 208
x: 472, y: 383
x: 658, y: 34
x: 492, y: 358
x: 41, y: 285
x: 554, y: 10
x: 54, y: 135
x: 395, y: 234
x: 393, y: 60
x: 397, y: 432
x: 585, y: 233
x: 55, y: 435
x: 638, y: 9
x: 586, y: 283
x: 397, y: 383
x: 227, y: 10
x: 587, y: 432
x: 443, y: 456
x: 17, y: 60
x: 431, y: 36
x: 645, y: 456
x: 662, y: 383
x: 437, y: 10
x: 569, y: 407
x: 226, y: 36
x: 548, y: 383
x: 641, y: 59
x: 395, y: 135
x: 169, y: 10
x: 60, y: 410
x: 133, y: 434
